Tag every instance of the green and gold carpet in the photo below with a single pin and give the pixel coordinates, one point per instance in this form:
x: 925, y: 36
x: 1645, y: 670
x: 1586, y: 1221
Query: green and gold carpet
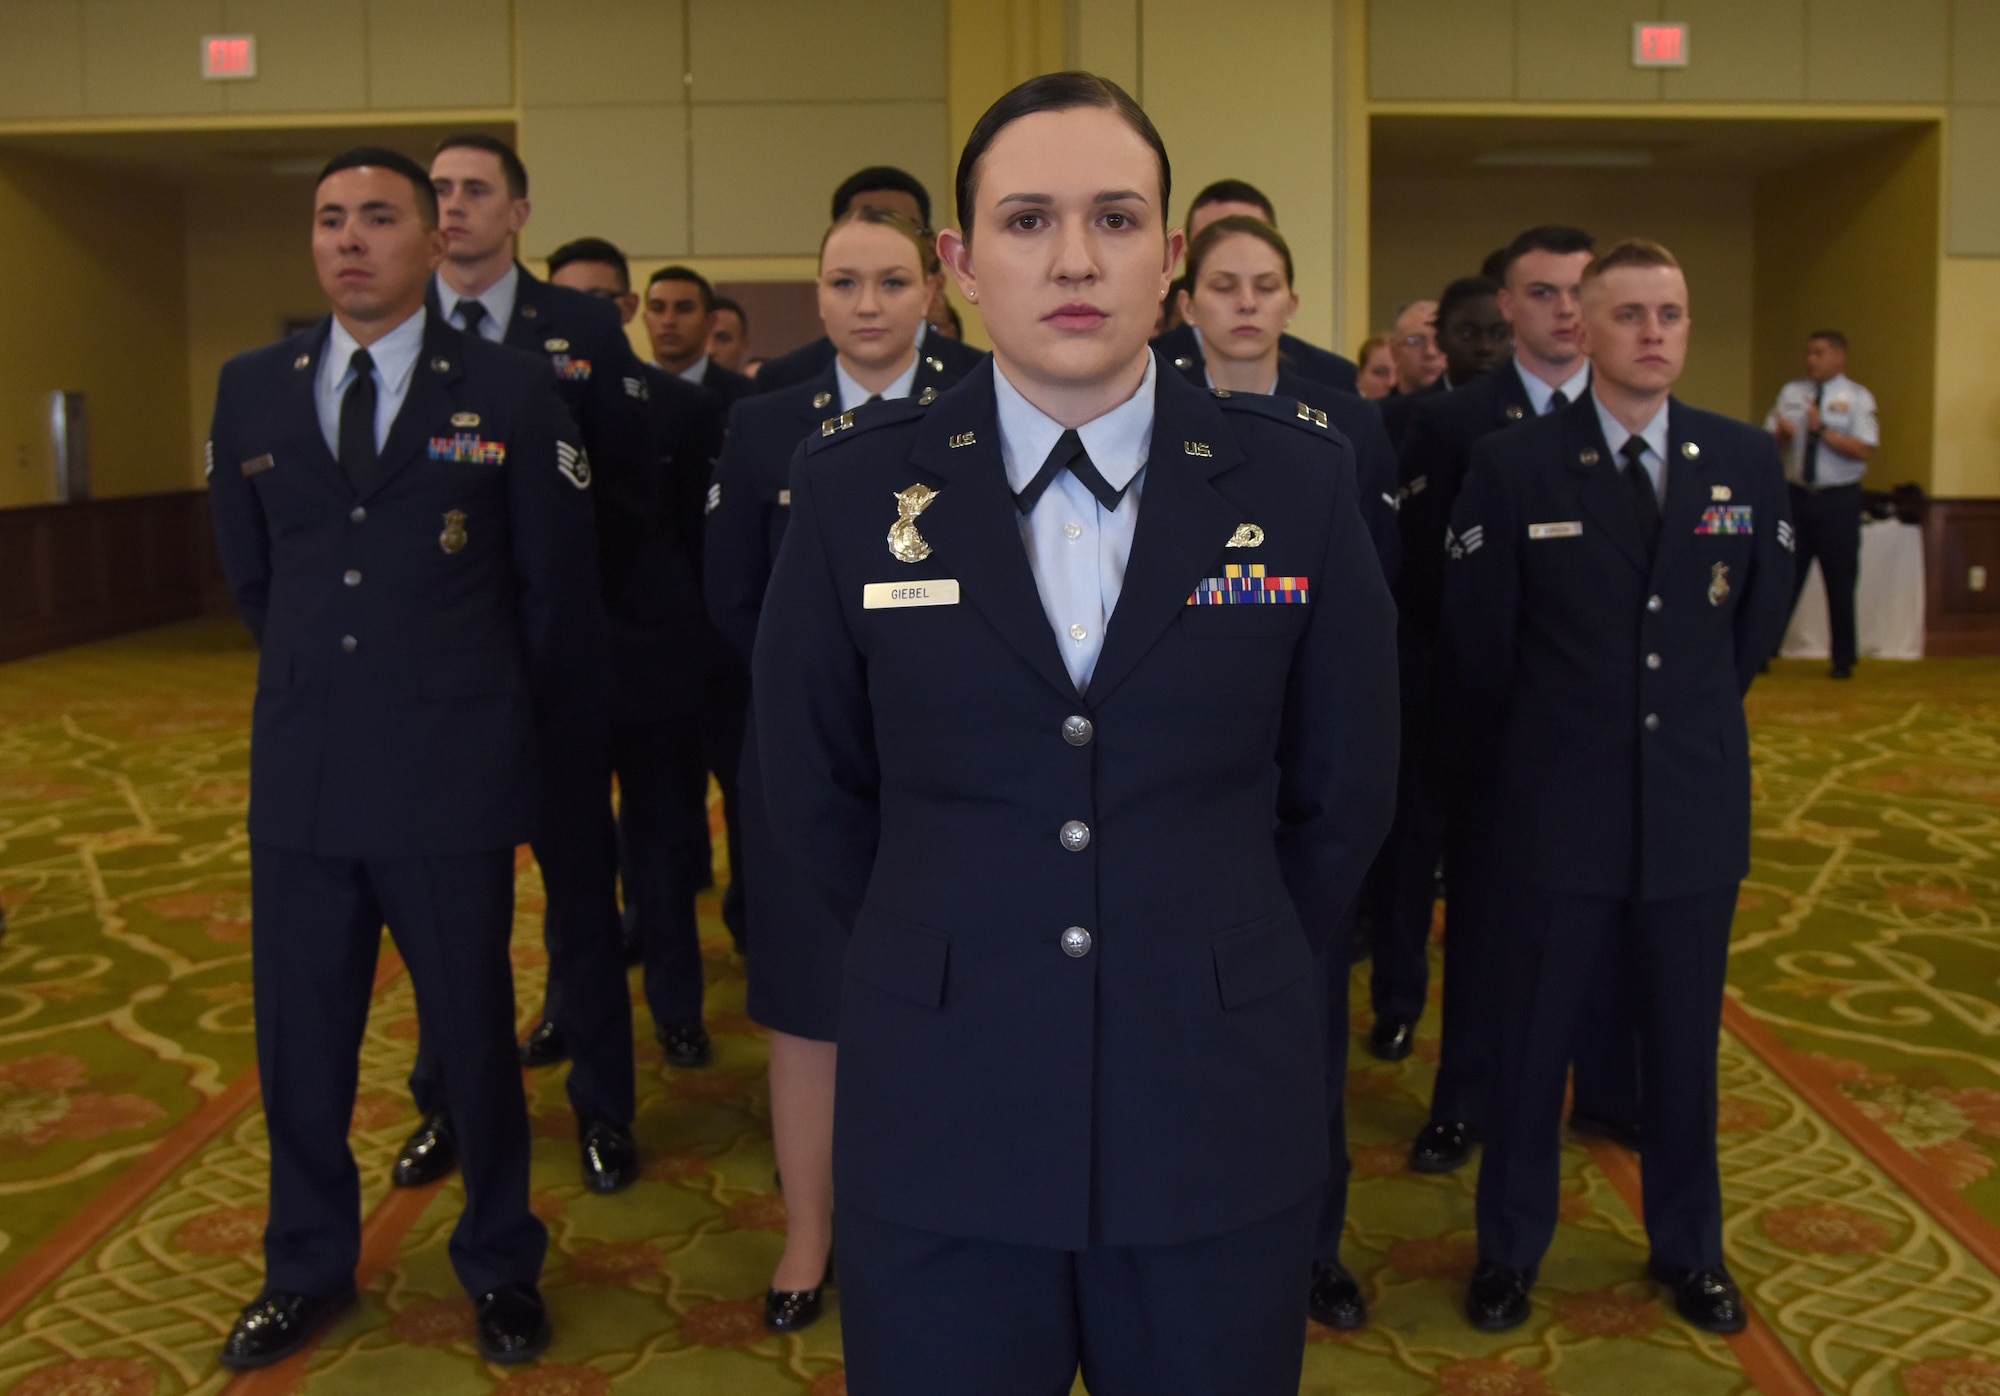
x: 1861, y: 1109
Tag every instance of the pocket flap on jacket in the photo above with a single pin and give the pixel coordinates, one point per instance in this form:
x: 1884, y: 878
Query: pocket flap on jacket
x: 898, y: 958
x: 1258, y: 960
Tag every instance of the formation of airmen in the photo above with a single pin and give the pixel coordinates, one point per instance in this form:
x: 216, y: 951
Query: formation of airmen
x: 1077, y: 706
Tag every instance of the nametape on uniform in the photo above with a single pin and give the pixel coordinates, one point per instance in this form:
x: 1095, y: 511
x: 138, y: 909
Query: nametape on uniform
x: 1569, y: 528
x: 468, y: 449
x: 888, y: 596
x: 1724, y: 518
x: 784, y: 499
x: 1248, y: 584
x: 257, y: 465
x: 570, y: 370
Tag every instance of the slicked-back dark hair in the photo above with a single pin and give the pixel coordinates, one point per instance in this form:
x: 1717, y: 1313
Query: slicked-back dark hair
x: 382, y: 158
x: 1466, y: 288
x: 604, y: 253
x: 692, y: 277
x: 1236, y: 225
x: 881, y: 177
x: 1232, y: 191
x: 722, y: 303
x: 1559, y: 238
x: 510, y: 163
x: 1833, y: 337
x: 1053, y: 92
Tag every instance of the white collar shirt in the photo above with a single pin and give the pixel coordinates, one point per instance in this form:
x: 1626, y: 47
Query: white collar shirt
x: 497, y: 300
x: 852, y: 394
x: 1077, y: 549
x: 696, y: 371
x: 1540, y: 394
x: 395, y: 355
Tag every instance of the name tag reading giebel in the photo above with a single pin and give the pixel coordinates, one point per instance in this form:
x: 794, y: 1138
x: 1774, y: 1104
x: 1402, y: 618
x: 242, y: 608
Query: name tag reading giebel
x: 883, y: 596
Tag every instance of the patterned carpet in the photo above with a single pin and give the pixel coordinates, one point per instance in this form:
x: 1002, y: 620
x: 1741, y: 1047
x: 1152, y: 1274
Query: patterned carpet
x: 1861, y: 1112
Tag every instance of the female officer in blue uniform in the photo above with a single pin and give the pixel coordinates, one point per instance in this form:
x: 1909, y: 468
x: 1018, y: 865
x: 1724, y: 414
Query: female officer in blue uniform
x: 876, y: 278
x: 1076, y: 704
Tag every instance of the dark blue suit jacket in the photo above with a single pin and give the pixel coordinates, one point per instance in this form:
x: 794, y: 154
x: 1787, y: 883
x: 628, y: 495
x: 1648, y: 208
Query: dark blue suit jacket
x: 1614, y: 691
x: 1374, y: 462
x: 1237, y: 782
x: 599, y: 379
x: 397, y: 714
x: 752, y: 499
x: 943, y: 353
x: 1306, y: 360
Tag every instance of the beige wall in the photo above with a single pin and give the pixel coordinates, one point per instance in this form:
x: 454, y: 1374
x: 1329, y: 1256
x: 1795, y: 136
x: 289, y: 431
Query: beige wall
x: 1849, y: 242
x: 1427, y: 231
x: 103, y: 253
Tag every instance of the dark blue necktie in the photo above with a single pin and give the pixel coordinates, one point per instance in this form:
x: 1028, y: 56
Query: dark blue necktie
x: 1645, y: 503
x: 357, y: 423
x: 1069, y: 455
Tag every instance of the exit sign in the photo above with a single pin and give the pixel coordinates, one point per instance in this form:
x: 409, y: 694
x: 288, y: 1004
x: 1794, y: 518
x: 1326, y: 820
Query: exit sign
x: 1659, y: 45
x: 228, y: 56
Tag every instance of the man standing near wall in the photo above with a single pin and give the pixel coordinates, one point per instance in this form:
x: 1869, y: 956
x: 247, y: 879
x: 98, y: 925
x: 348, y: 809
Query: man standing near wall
x: 1825, y: 424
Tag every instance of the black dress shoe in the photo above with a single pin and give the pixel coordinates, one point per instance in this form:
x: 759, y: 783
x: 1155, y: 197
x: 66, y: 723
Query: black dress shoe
x: 428, y: 1155
x: 610, y: 1156
x: 686, y: 1044
x: 1392, y: 1040
x: 1497, y: 1298
x: 1623, y: 1133
x: 545, y: 1046
x: 1442, y: 1146
x: 513, y: 1324
x: 789, y: 1310
x: 1335, y: 1299
x: 1708, y: 1299
x: 1845, y: 671
x: 279, y: 1324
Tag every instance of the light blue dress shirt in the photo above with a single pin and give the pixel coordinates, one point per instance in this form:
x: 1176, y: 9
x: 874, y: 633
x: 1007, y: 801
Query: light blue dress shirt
x: 497, y: 298
x: 1076, y: 548
x: 395, y: 355
x: 1540, y: 394
x: 852, y: 394
x: 1654, y: 435
x: 696, y: 371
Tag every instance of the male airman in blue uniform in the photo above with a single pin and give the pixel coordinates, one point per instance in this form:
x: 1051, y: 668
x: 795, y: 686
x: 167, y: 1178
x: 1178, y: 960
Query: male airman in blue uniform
x: 405, y: 521
x: 1076, y: 702
x: 1619, y: 572
x: 481, y: 289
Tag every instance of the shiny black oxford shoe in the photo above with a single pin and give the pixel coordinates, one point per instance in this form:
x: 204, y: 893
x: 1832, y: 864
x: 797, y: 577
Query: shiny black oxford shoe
x: 1392, y: 1040
x: 1708, y: 1299
x: 1335, y: 1299
x: 686, y: 1044
x: 428, y: 1155
x: 513, y: 1324
x: 1442, y: 1146
x: 610, y: 1156
x: 277, y: 1324
x: 1497, y: 1298
x: 545, y: 1046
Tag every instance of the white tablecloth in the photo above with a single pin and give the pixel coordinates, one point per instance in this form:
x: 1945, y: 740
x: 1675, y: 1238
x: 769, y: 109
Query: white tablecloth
x: 1888, y: 604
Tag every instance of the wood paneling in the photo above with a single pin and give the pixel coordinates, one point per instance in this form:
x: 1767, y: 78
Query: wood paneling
x: 70, y: 573
x: 1959, y: 535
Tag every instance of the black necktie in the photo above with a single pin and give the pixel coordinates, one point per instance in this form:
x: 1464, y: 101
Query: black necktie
x: 1069, y: 455
x: 1809, y: 466
x: 1645, y: 503
x: 1558, y: 400
x: 470, y: 315
x: 357, y: 424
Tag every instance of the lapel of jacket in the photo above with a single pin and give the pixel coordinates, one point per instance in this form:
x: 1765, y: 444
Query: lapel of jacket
x: 437, y: 369
x: 1184, y: 524
x: 1687, y: 491
x: 1511, y: 402
x: 298, y: 411
x: 1599, y: 487
x: 527, y: 325
x: 975, y: 526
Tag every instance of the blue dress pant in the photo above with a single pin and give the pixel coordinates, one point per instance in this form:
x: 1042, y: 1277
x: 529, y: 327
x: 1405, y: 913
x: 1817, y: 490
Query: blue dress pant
x: 1334, y: 968
x: 316, y: 929
x: 663, y: 853
x: 924, y: 1314
x: 1676, y: 953
x: 577, y: 847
